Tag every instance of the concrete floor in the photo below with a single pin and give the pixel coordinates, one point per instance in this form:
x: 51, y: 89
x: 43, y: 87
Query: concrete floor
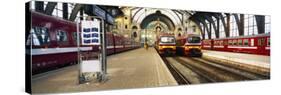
x: 137, y: 68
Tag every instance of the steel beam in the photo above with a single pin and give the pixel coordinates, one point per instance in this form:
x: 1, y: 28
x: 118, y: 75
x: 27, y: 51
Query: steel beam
x: 50, y: 8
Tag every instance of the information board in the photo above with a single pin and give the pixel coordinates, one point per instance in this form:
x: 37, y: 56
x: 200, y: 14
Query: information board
x: 90, y: 32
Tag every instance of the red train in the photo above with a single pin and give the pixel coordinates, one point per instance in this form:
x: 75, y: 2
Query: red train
x: 166, y: 44
x: 256, y: 44
x: 189, y: 45
x: 53, y: 43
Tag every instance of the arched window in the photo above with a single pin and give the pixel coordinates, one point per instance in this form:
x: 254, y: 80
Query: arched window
x: 221, y: 29
x: 250, y: 25
x: 207, y: 28
x: 233, y: 27
x: 58, y: 10
x: 267, y: 24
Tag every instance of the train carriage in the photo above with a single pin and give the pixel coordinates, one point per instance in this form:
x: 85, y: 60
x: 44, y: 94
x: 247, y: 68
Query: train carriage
x: 53, y: 42
x: 253, y: 44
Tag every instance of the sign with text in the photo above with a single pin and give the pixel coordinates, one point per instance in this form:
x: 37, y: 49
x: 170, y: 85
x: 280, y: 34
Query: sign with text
x: 90, y: 32
x: 91, y: 66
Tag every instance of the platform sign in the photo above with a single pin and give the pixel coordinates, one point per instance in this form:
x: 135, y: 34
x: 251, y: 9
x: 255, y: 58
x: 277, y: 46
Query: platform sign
x: 90, y: 32
x: 91, y: 66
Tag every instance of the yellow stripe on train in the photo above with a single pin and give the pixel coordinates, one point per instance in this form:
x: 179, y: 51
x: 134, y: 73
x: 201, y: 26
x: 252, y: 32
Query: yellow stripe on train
x: 164, y: 47
x: 192, y: 47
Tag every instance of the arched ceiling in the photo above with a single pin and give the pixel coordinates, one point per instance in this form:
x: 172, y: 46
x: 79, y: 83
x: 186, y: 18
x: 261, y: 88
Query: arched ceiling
x: 139, y: 14
x: 157, y: 16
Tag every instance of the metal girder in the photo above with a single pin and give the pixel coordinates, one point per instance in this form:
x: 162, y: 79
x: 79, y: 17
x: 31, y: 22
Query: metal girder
x: 65, y: 11
x: 240, y: 24
x: 200, y: 19
x: 137, y: 12
x: 74, y: 11
x: 260, y: 19
x: 210, y: 19
x: 181, y: 19
x: 50, y: 8
x: 39, y: 6
x: 198, y: 24
x: 217, y: 16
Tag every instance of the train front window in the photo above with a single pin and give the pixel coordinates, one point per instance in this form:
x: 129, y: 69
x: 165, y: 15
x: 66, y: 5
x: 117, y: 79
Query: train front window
x: 193, y: 40
x: 167, y: 39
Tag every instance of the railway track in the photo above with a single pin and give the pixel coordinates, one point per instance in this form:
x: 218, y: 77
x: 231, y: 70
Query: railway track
x: 176, y: 73
x: 188, y: 70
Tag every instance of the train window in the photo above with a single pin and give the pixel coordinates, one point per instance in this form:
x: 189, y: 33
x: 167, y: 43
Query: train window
x: 167, y: 39
x: 234, y: 42
x: 263, y: 42
x: 229, y: 42
x: 193, y: 40
x: 225, y: 42
x: 206, y: 42
x: 240, y: 42
x: 246, y: 42
x: 252, y: 42
x: 221, y: 43
x: 215, y: 42
x: 259, y: 42
x: 268, y: 41
x: 61, y: 36
x: 30, y: 36
x: 39, y: 36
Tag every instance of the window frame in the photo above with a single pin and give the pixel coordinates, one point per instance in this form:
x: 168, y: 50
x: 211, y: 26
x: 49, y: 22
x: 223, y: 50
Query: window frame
x: 230, y: 42
x: 35, y: 33
x: 240, y: 42
x: 62, y: 42
x: 244, y: 42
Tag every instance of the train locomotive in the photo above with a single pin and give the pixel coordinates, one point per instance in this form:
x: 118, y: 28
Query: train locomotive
x: 190, y: 45
x: 166, y: 44
x: 53, y: 43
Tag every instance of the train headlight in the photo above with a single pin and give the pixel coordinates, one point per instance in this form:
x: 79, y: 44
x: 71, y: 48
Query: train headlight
x: 160, y: 47
x: 186, y: 48
x: 174, y: 47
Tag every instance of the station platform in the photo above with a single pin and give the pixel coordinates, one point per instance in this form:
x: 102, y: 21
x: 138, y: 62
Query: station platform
x: 256, y: 63
x: 137, y: 68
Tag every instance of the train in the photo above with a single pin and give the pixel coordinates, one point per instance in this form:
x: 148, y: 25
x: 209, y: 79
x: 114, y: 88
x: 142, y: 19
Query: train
x: 252, y: 44
x: 166, y: 44
x: 54, y: 43
x: 189, y: 45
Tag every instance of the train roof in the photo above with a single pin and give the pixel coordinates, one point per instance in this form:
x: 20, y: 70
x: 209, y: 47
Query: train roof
x: 51, y: 17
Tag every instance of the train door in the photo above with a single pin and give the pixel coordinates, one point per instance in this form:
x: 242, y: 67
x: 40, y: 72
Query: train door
x: 267, y: 48
x: 212, y: 44
x: 261, y: 45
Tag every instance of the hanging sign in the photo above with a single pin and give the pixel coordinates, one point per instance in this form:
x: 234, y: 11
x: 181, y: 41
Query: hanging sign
x: 90, y: 32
